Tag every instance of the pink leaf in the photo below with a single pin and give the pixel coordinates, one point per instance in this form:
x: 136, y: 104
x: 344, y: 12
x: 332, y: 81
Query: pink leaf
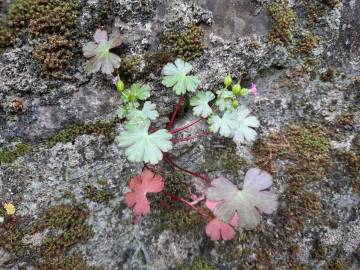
x: 218, y: 230
x: 140, y: 185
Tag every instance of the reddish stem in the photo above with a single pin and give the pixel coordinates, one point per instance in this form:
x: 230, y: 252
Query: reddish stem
x: 174, y: 165
x: 201, y: 134
x: 186, y: 126
x: 177, y: 108
x: 179, y: 199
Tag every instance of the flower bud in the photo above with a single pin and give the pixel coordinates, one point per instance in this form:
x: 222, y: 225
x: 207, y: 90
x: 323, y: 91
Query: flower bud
x: 236, y: 89
x: 227, y: 81
x: 120, y: 86
x: 235, y: 103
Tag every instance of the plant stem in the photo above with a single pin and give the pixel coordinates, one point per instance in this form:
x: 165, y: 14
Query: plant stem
x: 177, y: 108
x: 179, y: 199
x: 186, y: 126
x: 174, y: 165
x: 201, y: 134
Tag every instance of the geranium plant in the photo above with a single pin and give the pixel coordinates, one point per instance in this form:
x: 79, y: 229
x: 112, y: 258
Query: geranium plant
x: 230, y: 208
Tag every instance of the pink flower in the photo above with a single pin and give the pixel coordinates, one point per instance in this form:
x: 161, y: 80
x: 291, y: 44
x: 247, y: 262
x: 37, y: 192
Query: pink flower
x: 253, y: 89
x: 140, y: 185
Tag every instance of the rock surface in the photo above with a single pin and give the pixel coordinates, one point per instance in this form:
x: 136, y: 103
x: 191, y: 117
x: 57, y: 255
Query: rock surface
x: 53, y: 149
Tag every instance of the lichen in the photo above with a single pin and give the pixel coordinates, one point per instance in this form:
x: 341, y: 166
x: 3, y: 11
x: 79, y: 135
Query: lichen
x: 283, y: 20
x: 74, y: 261
x: 184, y: 43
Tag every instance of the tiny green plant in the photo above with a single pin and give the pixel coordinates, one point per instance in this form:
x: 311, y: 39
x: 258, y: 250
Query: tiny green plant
x: 230, y: 208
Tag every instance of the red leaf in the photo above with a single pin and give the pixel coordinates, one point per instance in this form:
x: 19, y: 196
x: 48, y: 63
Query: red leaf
x: 218, y: 230
x: 140, y: 185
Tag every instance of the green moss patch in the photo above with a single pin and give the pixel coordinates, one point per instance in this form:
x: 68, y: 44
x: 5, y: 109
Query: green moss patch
x: 5, y: 35
x: 184, y: 43
x: 200, y: 264
x: 173, y: 215
x: 220, y: 159
x: 98, y: 128
x: 11, y: 153
x: 97, y: 195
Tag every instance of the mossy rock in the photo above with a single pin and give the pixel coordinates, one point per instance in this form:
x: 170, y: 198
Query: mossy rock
x: 283, y: 21
x: 11, y: 153
x: 186, y: 43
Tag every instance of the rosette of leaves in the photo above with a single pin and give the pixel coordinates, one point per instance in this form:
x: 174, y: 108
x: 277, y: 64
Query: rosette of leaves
x: 99, y: 54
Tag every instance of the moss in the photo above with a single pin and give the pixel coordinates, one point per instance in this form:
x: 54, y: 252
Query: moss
x: 170, y: 214
x: 346, y: 119
x: 301, y: 204
x: 54, y: 56
x: 319, y: 251
x: 220, y: 159
x: 140, y: 67
x: 332, y: 3
x: 94, y: 194
x: 10, y: 240
x: 184, y: 43
x: 308, y: 146
x: 338, y: 264
x: 328, y: 75
x: 5, y: 35
x: 39, y: 16
x: 314, y: 11
x: 307, y: 44
x: 74, y: 262
x: 10, y: 154
x: 283, y: 20
x: 200, y: 264
x: 71, y: 220
x: 98, y: 128
x: 356, y: 185
x: 351, y: 159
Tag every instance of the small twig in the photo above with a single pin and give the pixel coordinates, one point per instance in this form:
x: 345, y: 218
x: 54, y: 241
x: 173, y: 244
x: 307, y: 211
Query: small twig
x: 199, y: 135
x: 174, y: 165
x: 179, y: 199
x: 177, y: 108
x: 186, y: 126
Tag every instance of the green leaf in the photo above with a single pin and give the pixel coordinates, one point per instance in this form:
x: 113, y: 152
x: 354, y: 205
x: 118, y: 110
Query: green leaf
x: 176, y: 77
x: 142, y: 146
x: 148, y: 112
x: 124, y: 109
x: 201, y: 103
x: 225, y: 124
x: 245, y: 123
x: 136, y: 92
x: 224, y: 99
